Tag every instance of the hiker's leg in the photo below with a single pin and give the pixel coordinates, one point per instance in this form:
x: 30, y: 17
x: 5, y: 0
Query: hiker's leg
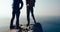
x: 17, y: 18
x: 12, y: 20
x: 32, y: 14
x: 28, y: 16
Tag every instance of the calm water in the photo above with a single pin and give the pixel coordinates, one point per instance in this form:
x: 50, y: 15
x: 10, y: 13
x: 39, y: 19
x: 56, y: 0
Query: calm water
x: 49, y: 24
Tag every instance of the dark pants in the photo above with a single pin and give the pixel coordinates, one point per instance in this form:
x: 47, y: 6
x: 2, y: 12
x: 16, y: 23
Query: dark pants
x: 17, y: 14
x: 30, y: 9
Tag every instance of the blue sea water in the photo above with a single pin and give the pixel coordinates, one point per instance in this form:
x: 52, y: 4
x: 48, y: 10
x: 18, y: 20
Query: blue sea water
x: 49, y: 24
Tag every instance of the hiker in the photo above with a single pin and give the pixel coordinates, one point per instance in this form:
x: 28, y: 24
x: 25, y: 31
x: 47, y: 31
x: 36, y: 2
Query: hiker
x: 16, y: 12
x: 29, y: 5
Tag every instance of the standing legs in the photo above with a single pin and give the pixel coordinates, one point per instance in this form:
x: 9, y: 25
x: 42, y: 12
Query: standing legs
x: 30, y: 9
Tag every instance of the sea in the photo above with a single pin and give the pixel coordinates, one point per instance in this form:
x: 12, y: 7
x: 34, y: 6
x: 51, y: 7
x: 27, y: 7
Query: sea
x: 48, y: 23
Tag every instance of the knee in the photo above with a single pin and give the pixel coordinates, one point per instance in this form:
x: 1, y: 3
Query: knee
x: 27, y: 15
x: 13, y: 17
x: 32, y: 14
x: 17, y: 18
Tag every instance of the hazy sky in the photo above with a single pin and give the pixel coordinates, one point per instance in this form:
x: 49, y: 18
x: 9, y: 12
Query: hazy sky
x: 42, y: 8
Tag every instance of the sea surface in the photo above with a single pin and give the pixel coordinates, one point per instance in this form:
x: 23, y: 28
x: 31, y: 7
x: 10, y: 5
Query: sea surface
x: 49, y: 23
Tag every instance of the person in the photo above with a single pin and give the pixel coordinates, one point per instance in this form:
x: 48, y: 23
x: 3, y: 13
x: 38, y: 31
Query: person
x: 16, y: 12
x: 29, y: 5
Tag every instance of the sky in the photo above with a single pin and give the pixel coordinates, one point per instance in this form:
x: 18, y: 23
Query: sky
x: 42, y: 8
